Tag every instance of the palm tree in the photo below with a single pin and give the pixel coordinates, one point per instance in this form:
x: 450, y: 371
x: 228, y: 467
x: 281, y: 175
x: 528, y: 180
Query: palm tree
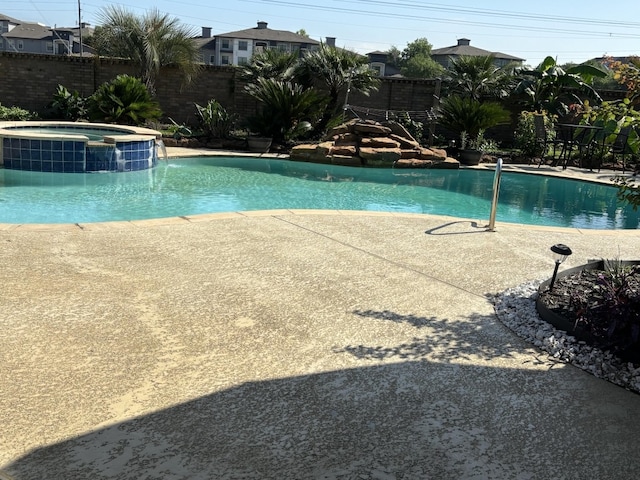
x: 478, y: 76
x: 152, y: 41
x: 271, y: 63
x: 333, y: 70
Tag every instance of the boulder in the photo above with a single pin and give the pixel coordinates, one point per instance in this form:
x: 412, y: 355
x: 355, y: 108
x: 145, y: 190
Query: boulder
x: 379, y: 142
x: 366, y: 142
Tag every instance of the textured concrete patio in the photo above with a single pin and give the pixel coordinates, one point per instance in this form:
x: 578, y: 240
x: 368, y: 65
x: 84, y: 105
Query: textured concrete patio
x: 292, y: 345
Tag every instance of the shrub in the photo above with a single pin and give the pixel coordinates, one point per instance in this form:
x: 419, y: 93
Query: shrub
x: 215, y: 120
x: 124, y: 100
x: 16, y: 114
x: 464, y: 114
x: 288, y: 110
x: 68, y: 105
x: 527, y: 140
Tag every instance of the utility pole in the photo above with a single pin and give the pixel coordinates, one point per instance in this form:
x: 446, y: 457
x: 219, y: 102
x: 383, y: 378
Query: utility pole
x: 79, y: 29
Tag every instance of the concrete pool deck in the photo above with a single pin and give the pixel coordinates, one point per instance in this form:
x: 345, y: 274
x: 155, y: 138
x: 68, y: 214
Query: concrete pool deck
x: 292, y: 345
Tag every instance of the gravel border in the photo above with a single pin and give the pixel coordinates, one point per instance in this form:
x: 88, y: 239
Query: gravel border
x: 515, y: 307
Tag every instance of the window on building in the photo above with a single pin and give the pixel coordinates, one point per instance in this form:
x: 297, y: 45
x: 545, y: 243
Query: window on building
x: 243, y: 60
x: 243, y: 45
x: 49, y: 47
x: 225, y: 60
x: 225, y: 44
x: 378, y: 68
x: 212, y: 59
x: 20, y: 45
x: 283, y: 47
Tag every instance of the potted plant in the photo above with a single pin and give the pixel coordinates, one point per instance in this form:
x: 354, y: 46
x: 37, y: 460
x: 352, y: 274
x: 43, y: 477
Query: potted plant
x: 471, y: 117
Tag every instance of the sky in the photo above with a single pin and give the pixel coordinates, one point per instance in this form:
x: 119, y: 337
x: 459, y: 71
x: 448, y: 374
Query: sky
x: 568, y: 30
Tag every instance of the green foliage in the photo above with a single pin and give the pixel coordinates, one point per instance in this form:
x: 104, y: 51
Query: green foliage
x: 123, y: 100
x: 478, y: 76
x: 416, y: 61
x: 465, y: 114
x: 271, y: 63
x: 550, y: 88
x: 527, y: 139
x: 151, y: 41
x: 479, y: 142
x: 331, y: 71
x: 288, y: 110
x: 415, y: 128
x: 16, y: 114
x: 178, y: 130
x: 68, y: 105
x: 215, y: 120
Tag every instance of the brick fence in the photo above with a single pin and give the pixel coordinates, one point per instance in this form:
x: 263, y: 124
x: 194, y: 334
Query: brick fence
x: 29, y: 81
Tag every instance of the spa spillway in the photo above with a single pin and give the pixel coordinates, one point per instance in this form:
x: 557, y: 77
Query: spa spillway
x: 72, y: 147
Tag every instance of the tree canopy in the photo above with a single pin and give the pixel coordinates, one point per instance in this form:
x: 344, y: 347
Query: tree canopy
x: 415, y: 60
x: 152, y: 41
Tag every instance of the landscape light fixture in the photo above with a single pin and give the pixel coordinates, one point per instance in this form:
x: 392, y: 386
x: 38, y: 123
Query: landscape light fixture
x: 560, y: 254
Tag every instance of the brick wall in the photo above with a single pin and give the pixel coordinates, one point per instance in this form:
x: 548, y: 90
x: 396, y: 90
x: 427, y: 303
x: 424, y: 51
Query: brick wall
x: 29, y: 81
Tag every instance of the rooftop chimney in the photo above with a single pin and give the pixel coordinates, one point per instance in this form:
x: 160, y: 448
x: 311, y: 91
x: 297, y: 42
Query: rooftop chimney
x: 262, y: 25
x: 331, y: 41
x: 206, y: 32
x: 463, y: 41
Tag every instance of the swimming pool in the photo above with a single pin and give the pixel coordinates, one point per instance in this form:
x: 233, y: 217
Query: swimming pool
x: 191, y: 186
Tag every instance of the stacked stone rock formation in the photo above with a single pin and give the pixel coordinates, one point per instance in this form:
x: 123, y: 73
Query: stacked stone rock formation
x: 369, y: 143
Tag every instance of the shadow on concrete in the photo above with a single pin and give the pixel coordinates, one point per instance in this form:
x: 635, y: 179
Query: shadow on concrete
x: 444, y: 406
x: 473, y: 225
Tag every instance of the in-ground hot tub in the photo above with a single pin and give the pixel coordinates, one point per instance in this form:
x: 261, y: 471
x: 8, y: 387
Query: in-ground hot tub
x: 73, y: 147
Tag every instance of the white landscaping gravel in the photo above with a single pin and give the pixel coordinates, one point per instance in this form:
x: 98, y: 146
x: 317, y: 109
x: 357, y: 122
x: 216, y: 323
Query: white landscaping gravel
x: 515, y: 307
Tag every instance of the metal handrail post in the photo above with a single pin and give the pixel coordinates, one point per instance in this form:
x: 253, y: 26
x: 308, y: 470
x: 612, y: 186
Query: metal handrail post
x: 494, y: 201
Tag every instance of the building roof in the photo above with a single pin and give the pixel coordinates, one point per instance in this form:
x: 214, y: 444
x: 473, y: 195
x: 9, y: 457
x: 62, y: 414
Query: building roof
x: 33, y: 31
x: 8, y: 18
x: 464, y: 48
x: 261, y: 32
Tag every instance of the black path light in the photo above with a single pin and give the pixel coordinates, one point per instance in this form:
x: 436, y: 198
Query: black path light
x: 560, y: 254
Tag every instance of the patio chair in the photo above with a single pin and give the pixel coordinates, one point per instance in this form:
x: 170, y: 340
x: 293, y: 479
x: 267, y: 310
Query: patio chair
x: 620, y: 146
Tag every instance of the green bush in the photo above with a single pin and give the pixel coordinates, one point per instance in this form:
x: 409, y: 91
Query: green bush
x: 288, y: 109
x: 527, y: 140
x: 123, y: 100
x: 464, y: 114
x: 215, y: 120
x: 68, y: 105
x: 16, y: 114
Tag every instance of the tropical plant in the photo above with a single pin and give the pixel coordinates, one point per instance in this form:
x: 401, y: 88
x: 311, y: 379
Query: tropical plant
x: 549, y: 87
x: 270, y: 63
x: 332, y: 71
x: 151, y: 41
x: 16, y: 114
x: 288, y: 110
x: 478, y: 77
x: 68, y: 105
x: 124, y: 100
x: 465, y: 114
x: 215, y: 120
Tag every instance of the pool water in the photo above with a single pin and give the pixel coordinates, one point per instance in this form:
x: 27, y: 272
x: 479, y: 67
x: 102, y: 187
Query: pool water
x: 222, y: 184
